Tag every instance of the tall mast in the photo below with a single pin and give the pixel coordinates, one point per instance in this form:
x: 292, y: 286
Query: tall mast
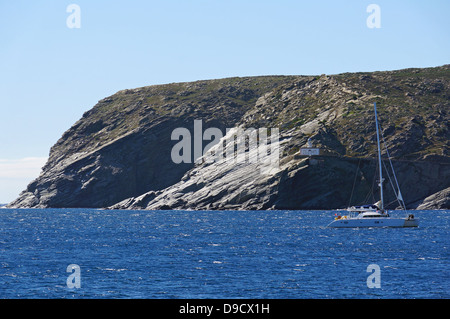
x: 379, y: 158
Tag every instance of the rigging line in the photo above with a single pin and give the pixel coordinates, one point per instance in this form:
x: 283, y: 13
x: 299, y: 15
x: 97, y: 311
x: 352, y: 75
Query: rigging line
x: 371, y: 193
x: 399, y: 196
x: 393, y: 188
x: 391, y: 202
x: 354, y: 182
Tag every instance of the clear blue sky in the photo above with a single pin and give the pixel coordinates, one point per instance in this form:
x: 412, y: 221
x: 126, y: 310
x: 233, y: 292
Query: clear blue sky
x: 51, y: 74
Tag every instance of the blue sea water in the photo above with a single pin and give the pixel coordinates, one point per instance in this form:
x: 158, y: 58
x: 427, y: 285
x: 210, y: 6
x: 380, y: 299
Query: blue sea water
x: 217, y: 254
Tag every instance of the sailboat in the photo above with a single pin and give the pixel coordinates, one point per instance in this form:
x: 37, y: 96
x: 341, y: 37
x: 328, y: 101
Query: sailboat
x: 375, y: 215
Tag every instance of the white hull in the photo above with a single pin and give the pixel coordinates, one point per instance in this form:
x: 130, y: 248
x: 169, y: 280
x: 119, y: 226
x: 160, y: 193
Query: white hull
x: 374, y: 222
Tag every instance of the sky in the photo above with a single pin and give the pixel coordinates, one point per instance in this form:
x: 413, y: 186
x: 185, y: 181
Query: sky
x: 52, y: 69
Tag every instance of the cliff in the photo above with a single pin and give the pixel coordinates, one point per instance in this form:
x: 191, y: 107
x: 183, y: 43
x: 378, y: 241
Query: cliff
x: 119, y: 154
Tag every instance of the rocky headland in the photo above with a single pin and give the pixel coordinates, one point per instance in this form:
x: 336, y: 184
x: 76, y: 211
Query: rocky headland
x: 118, y: 155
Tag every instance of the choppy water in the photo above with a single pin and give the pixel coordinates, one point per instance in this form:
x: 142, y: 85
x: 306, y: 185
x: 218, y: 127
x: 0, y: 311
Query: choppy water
x: 217, y: 254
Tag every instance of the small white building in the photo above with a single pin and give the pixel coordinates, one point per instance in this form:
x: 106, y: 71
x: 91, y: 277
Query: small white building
x: 310, y: 150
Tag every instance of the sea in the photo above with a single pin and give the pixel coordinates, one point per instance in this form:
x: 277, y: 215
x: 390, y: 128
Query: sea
x: 91, y: 253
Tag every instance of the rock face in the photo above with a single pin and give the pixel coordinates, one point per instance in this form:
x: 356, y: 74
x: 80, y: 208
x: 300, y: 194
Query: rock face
x: 308, y: 183
x: 119, y: 154
x: 439, y: 200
